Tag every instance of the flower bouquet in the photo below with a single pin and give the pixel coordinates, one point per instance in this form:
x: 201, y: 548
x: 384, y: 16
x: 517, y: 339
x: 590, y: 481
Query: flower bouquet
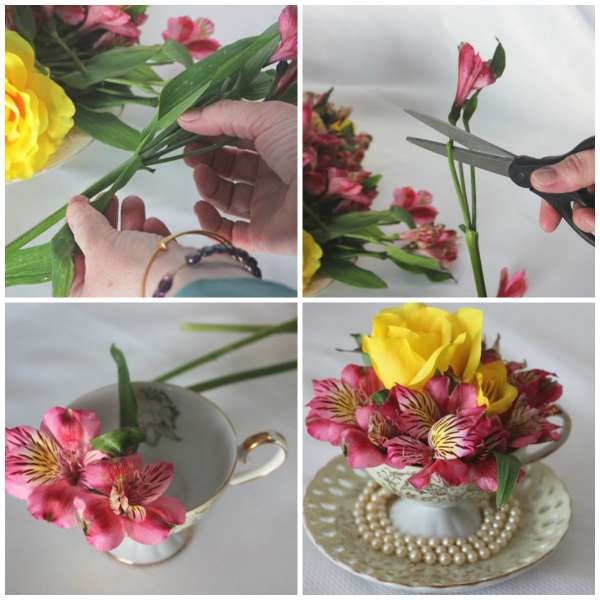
x: 339, y: 225
x: 69, y: 65
x: 438, y: 418
x: 72, y: 475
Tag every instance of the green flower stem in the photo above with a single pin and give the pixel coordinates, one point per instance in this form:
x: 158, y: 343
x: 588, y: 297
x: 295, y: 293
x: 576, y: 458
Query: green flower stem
x: 461, y: 198
x: 228, y: 328
x: 198, y: 152
x: 255, y: 337
x: 72, y: 55
x: 463, y: 185
x: 211, y: 384
x: 472, y: 240
x: 473, y: 188
x: 59, y: 214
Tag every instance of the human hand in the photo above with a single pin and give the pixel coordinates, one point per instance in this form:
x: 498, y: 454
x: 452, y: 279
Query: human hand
x: 571, y: 174
x: 255, y: 182
x: 111, y: 262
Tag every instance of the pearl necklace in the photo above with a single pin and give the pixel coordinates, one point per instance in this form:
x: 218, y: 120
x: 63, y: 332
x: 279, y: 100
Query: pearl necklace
x: 374, y: 526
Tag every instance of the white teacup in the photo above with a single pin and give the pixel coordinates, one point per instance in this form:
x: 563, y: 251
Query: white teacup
x: 190, y: 431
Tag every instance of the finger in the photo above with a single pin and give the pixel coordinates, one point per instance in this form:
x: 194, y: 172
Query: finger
x: 585, y: 219
x: 154, y: 225
x: 237, y: 232
x: 90, y: 227
x: 232, y: 198
x: 570, y: 174
x: 228, y: 162
x: 133, y: 214
x: 112, y: 212
x: 549, y: 218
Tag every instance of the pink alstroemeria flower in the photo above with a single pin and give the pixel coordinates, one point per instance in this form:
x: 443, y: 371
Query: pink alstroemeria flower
x: 46, y: 466
x: 418, y: 204
x: 116, y: 23
x: 288, y: 32
x: 437, y: 430
x: 539, y: 386
x: 527, y: 425
x: 515, y: 287
x: 433, y: 240
x: 194, y: 35
x: 473, y: 74
x: 69, y: 14
x: 129, y: 502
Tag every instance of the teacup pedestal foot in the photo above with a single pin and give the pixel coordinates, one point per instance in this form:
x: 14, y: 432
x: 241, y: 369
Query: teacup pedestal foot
x: 413, y: 517
x: 135, y: 554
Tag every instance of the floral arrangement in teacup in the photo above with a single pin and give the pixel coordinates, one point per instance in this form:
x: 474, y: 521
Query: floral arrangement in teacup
x: 69, y: 66
x: 71, y: 476
x: 434, y: 397
x: 339, y: 225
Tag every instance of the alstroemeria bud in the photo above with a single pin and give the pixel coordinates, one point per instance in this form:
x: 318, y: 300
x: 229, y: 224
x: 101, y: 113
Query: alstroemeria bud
x: 515, y: 287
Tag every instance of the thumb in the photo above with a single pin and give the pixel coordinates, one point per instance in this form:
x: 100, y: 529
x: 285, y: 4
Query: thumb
x: 569, y: 175
x: 89, y: 226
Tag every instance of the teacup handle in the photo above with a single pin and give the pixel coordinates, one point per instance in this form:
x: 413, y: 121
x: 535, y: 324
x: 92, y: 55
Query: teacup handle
x: 254, y: 441
x: 549, y: 447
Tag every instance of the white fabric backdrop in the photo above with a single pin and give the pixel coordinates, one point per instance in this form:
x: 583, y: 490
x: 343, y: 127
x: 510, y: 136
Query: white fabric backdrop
x: 170, y: 193
x: 60, y: 351
x: 557, y: 338
x: 383, y: 59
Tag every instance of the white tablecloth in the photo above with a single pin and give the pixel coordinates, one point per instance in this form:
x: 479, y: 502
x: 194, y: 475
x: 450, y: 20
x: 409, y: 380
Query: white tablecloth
x: 170, y: 193
x: 557, y: 338
x: 247, y: 544
x: 383, y: 59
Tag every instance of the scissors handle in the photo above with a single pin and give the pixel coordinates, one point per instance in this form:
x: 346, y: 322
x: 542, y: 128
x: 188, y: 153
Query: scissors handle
x: 523, y: 166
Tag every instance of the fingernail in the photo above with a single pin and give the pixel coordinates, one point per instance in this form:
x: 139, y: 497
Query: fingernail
x: 546, y: 175
x: 190, y: 115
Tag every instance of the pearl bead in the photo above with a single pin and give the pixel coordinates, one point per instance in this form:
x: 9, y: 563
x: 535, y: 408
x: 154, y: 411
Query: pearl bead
x: 373, y: 526
x: 472, y: 557
x: 379, y: 533
x: 420, y: 541
x: 460, y: 541
x: 390, y: 529
x: 466, y: 548
x: 471, y: 539
x: 444, y: 558
x: 484, y: 553
x: 493, y: 548
x: 430, y: 558
x: 388, y: 539
x: 371, y: 517
x: 415, y: 556
x: 362, y: 529
x: 477, y: 544
x: 452, y: 549
x: 401, y: 551
x: 409, y: 539
x: 412, y: 548
x: 459, y: 558
x: 447, y: 541
x: 384, y: 522
x: 388, y: 548
x: 368, y: 536
x: 376, y: 543
x: 431, y: 542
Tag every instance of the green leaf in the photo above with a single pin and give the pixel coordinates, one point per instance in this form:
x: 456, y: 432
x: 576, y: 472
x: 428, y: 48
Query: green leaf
x: 128, y: 414
x: 119, y: 442
x: 470, y: 107
x: 107, y: 128
x: 347, y: 272
x: 508, y: 468
x: 109, y: 64
x: 380, y: 397
x: 355, y: 222
x: 498, y: 62
x: 28, y: 266
x: 178, y: 53
x: 23, y: 21
x: 400, y: 255
x: 242, y: 57
x: 290, y: 95
x: 370, y: 183
x: 261, y: 86
x: 136, y: 10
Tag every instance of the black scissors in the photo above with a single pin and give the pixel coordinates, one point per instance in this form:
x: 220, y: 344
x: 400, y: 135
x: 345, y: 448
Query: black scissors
x: 492, y: 158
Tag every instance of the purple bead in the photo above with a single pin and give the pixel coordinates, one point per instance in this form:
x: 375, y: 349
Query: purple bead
x: 164, y: 285
x: 192, y: 259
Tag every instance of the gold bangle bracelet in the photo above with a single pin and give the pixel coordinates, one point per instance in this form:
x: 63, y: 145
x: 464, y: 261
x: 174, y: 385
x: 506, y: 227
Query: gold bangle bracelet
x: 163, y: 247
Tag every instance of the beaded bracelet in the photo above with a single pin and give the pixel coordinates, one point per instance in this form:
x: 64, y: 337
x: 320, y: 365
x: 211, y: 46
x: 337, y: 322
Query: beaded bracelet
x: 248, y: 262
x: 224, y: 246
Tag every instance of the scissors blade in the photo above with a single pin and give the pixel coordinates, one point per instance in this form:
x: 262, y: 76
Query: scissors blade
x: 462, y: 137
x: 488, y: 162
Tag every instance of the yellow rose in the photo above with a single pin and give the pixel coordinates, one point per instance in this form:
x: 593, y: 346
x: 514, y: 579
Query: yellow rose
x: 38, y: 113
x: 493, y: 390
x: 311, y: 258
x: 410, y: 343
